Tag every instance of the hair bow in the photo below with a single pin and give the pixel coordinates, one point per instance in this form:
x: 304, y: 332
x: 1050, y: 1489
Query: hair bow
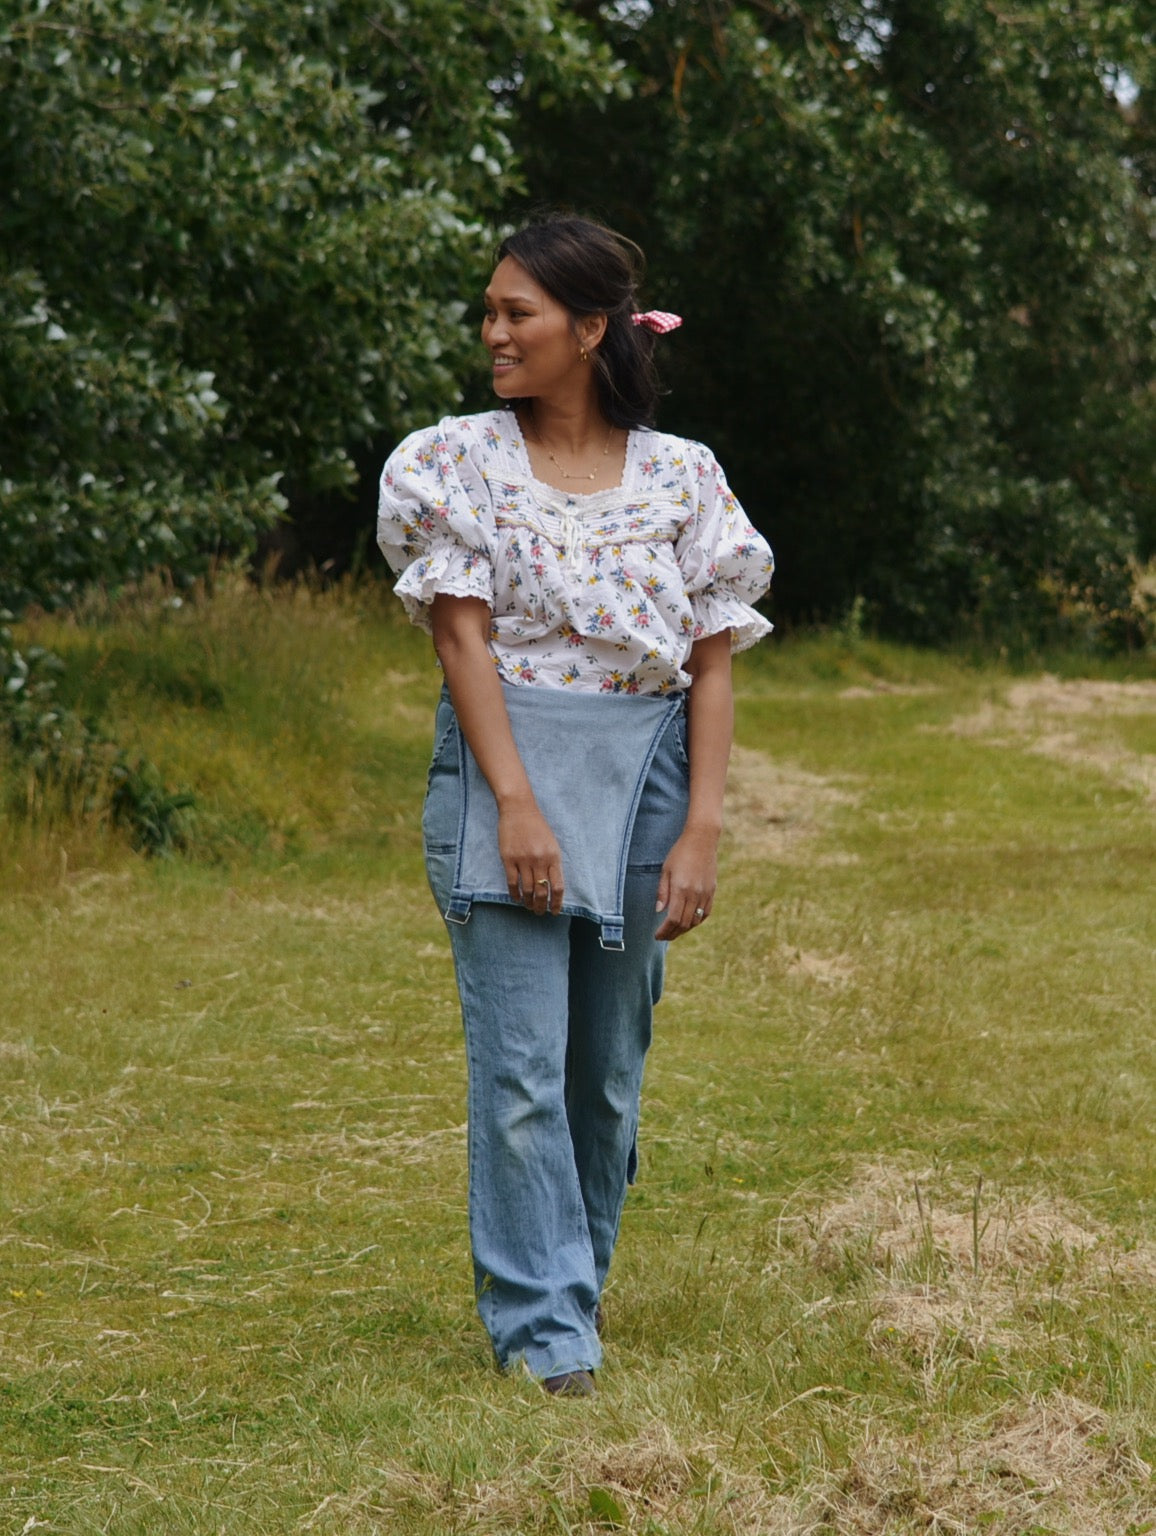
x: 658, y: 320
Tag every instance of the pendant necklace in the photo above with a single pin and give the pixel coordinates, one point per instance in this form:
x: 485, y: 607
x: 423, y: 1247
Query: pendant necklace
x: 565, y: 473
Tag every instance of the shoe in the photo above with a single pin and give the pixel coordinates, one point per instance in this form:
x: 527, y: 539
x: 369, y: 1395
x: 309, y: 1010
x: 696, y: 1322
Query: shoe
x: 571, y: 1384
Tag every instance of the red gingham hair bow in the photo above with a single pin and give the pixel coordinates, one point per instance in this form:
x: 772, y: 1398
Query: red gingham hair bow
x: 658, y: 320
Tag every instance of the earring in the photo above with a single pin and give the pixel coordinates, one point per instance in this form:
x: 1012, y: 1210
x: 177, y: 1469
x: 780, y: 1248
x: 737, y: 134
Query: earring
x: 583, y: 355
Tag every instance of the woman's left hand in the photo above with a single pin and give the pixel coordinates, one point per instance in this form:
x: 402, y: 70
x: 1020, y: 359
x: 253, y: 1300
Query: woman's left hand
x: 687, y: 884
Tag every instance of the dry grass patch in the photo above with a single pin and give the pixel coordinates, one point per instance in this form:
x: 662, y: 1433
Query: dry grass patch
x: 957, y: 1274
x: 648, y: 1482
x: 16, y: 1050
x: 953, y: 1270
x: 1082, y: 696
x: 898, y: 1215
x: 1051, y: 1467
x: 828, y: 970
x: 880, y: 689
x: 1028, y: 714
x: 774, y: 810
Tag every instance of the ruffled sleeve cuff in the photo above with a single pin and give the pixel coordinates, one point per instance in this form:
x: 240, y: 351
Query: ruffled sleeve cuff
x: 717, y: 609
x: 446, y: 567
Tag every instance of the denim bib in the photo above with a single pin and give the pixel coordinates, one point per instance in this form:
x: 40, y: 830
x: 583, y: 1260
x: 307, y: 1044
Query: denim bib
x: 587, y: 756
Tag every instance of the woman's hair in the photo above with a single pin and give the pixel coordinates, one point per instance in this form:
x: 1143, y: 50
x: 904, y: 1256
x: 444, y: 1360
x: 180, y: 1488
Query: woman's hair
x: 591, y: 270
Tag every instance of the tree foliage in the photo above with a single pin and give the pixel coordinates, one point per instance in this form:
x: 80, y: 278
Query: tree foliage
x: 913, y: 243
x: 914, y: 246
x: 234, y: 239
x: 229, y: 244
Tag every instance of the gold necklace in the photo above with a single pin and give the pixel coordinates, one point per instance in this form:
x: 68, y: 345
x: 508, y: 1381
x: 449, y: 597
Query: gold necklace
x: 565, y: 473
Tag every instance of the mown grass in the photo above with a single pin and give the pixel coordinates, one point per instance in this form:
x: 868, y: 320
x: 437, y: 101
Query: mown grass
x: 891, y: 1264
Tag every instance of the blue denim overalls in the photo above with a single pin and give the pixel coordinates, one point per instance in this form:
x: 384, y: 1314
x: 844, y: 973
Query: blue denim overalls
x: 557, y: 1010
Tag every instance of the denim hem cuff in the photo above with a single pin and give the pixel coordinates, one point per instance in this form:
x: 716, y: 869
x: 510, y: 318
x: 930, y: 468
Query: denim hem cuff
x: 581, y: 1353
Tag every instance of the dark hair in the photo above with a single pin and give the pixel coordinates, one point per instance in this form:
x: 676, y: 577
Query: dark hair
x: 591, y: 270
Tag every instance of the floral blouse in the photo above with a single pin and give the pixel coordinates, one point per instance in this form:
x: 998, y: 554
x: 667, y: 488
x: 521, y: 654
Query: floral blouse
x: 604, y: 592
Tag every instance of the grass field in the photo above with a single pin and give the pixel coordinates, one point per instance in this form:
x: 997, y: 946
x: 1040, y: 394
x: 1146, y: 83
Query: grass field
x: 891, y: 1263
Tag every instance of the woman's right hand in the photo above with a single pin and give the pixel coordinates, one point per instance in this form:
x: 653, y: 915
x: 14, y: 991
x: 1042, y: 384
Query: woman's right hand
x: 531, y: 858
x: 530, y: 854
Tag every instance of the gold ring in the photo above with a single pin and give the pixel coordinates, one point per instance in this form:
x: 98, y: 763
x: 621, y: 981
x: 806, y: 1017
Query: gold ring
x: 543, y: 881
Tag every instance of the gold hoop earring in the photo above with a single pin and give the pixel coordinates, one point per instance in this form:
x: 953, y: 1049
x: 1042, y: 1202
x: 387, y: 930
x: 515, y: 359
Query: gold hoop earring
x: 583, y: 355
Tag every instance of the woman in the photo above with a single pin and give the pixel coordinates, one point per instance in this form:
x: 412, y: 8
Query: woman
x: 585, y: 579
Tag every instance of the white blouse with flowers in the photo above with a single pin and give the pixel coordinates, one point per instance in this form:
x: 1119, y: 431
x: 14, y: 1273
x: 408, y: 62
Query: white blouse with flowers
x: 600, y: 593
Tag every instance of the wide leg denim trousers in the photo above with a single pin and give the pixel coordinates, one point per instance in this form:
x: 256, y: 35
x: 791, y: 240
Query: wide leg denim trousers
x: 557, y: 1029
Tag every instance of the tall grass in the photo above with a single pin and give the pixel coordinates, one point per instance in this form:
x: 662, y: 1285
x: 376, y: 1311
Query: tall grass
x: 890, y: 1265
x: 280, y: 713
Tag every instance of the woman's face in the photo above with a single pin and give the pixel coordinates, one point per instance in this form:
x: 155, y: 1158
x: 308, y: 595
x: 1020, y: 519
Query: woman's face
x: 532, y: 347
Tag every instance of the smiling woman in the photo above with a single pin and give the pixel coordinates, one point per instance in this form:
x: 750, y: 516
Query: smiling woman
x: 574, y: 805
x: 525, y: 328
x: 533, y: 341
x: 576, y: 277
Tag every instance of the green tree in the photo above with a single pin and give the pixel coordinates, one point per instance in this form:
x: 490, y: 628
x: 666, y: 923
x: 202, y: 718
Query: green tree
x: 234, y: 244
x: 913, y: 243
x: 231, y: 247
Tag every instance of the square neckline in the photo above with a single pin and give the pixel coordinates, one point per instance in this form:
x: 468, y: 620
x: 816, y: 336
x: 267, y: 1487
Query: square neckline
x: 521, y: 455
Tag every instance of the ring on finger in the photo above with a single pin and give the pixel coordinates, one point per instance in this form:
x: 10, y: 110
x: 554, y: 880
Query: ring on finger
x: 543, y: 881
x: 700, y: 913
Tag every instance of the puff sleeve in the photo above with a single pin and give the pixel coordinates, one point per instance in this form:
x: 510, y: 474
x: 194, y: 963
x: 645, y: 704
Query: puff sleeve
x: 434, y: 523
x: 725, y: 562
